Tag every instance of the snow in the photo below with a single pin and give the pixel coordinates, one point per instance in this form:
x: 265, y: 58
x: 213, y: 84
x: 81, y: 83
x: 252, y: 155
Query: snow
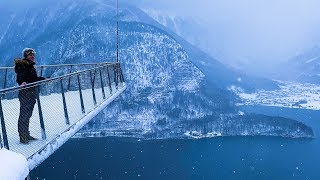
x: 248, y: 96
x: 290, y: 95
x: 199, y: 135
x: 235, y: 89
x: 241, y: 113
x: 13, y: 166
x: 189, y: 85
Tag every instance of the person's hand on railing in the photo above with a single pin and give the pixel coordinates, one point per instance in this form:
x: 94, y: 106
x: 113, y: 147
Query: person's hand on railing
x: 23, y: 84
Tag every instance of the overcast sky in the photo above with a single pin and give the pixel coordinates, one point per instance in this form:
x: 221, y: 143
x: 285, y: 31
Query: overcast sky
x: 256, y: 31
x: 261, y: 30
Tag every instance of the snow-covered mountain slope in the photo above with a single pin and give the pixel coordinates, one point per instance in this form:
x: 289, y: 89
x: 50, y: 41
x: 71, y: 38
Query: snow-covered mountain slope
x: 191, y: 33
x: 303, y: 68
x: 197, y: 30
x: 169, y: 80
x: 190, y: 28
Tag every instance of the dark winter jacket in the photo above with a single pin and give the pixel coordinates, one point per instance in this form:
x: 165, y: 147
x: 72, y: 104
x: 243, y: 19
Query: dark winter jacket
x: 26, y: 72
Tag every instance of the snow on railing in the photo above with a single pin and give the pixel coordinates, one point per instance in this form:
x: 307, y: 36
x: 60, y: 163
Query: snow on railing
x: 61, y: 102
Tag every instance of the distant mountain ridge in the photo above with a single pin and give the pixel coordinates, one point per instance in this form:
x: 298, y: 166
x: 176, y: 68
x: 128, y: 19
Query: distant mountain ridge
x: 169, y: 81
x: 304, y: 67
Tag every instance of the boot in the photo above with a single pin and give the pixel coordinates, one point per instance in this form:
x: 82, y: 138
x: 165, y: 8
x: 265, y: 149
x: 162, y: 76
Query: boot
x: 24, y: 139
x: 30, y: 138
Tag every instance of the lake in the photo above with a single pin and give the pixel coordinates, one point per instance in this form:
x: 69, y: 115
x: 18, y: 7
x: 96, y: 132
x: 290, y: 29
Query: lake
x: 209, y: 158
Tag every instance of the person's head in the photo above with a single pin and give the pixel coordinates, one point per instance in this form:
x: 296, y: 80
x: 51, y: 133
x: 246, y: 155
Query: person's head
x: 29, y: 53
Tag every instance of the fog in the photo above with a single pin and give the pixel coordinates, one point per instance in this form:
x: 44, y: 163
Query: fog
x: 254, y: 34
x: 258, y: 33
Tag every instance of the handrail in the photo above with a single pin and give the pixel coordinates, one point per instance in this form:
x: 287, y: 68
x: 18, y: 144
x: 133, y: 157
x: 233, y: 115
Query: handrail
x: 58, y: 65
x: 8, y: 72
x: 50, y: 79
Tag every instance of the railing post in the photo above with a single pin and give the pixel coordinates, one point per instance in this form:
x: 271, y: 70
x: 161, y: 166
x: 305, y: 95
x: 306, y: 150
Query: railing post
x: 69, y: 81
x: 80, y: 92
x: 109, y: 80
x: 43, y: 131
x: 41, y: 70
x: 5, y: 79
x: 92, y: 87
x: 118, y: 73
x: 121, y: 75
x: 115, y: 75
x: 1, y: 145
x: 102, y: 86
x: 3, y: 127
x: 64, y: 104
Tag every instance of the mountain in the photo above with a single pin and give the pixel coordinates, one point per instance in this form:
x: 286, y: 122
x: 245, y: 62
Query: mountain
x: 190, y: 28
x: 305, y: 67
x: 170, y: 82
x: 197, y: 30
x: 192, y: 33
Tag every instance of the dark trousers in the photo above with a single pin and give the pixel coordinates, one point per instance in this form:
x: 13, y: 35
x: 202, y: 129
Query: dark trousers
x: 27, y: 98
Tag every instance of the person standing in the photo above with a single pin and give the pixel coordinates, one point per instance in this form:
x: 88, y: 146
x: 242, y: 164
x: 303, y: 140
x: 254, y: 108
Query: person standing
x: 26, y: 73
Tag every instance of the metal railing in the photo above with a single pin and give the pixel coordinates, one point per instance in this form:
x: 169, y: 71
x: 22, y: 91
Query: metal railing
x: 60, y: 102
x: 48, y: 71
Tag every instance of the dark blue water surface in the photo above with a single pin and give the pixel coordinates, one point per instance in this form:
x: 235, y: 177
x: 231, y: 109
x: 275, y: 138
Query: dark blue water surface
x: 210, y: 158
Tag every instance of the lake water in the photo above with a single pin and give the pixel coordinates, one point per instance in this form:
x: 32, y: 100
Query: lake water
x: 210, y: 158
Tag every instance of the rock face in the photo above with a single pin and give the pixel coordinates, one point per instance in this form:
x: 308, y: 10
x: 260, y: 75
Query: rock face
x: 170, y: 82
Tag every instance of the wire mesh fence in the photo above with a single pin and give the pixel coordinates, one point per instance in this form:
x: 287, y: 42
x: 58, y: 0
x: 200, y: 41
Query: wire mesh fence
x: 45, y: 109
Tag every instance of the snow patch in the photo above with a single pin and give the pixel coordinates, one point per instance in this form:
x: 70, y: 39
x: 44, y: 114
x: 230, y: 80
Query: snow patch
x: 13, y: 166
x: 241, y: 113
x: 290, y: 95
x: 199, y: 135
x: 235, y: 89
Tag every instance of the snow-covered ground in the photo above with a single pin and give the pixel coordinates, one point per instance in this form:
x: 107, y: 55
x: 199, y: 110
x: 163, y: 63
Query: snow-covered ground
x: 199, y: 135
x: 57, y: 131
x: 290, y: 94
x: 13, y: 166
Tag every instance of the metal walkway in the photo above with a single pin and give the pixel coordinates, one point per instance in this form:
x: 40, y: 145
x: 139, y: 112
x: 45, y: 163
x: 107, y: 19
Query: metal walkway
x: 65, y: 103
